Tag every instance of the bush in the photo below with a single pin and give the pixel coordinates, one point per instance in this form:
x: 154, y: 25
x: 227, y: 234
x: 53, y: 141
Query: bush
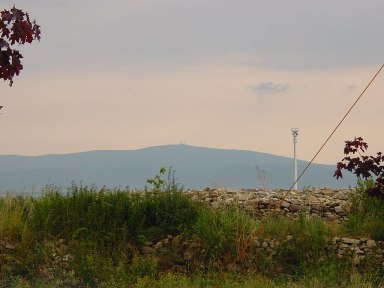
x: 367, y: 213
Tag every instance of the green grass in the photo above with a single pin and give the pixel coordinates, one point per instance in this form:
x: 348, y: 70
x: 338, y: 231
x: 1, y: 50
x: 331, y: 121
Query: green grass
x: 107, y: 217
x: 13, y: 212
x: 366, y: 219
x: 91, y: 237
x: 227, y: 235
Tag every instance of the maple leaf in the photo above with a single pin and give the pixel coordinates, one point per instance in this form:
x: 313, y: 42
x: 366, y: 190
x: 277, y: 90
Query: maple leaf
x: 16, y: 28
x: 363, y: 166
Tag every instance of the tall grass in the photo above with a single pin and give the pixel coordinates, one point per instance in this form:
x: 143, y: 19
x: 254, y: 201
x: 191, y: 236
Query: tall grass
x: 367, y: 214
x: 302, y: 246
x: 88, y: 231
x: 11, y: 217
x: 107, y: 217
x: 92, y: 237
x: 227, y: 234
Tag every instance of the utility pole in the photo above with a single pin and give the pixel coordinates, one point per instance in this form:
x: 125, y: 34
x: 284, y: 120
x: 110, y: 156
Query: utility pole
x: 295, y: 133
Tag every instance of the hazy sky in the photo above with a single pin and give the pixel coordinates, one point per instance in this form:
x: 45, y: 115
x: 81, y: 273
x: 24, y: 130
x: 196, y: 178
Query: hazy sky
x: 214, y: 73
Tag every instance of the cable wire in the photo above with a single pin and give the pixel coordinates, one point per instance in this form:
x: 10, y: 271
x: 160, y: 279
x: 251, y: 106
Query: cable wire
x: 277, y: 208
x: 333, y: 132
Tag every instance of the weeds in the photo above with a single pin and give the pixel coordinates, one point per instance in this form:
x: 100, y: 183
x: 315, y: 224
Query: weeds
x: 13, y: 211
x: 303, y: 244
x: 90, y: 237
x: 367, y: 213
x: 226, y: 233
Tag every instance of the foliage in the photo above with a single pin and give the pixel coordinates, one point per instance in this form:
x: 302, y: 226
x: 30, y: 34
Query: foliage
x: 109, y: 217
x: 95, y: 237
x: 211, y: 280
x: 169, y: 185
x: 16, y: 28
x: 303, y: 245
x: 363, y: 166
x: 105, y: 228
x: 276, y: 227
x: 226, y: 233
x: 157, y: 182
x: 367, y: 213
x: 165, y: 207
x: 13, y: 212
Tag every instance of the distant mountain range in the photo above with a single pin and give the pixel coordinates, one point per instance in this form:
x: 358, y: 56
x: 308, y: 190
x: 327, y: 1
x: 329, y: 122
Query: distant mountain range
x: 195, y: 167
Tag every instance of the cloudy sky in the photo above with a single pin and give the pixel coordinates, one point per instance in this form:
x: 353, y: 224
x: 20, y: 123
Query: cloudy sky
x: 215, y: 73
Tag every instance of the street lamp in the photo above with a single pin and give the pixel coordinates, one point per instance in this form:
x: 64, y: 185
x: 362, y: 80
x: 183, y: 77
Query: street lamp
x: 295, y: 133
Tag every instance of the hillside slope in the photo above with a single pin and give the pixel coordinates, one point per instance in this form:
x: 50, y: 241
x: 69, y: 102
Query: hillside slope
x: 195, y: 167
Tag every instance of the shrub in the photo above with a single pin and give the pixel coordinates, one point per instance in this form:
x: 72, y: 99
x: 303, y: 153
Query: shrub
x: 367, y: 213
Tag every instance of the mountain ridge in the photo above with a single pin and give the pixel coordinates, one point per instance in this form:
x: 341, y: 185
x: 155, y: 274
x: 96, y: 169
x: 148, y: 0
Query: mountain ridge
x: 194, y: 166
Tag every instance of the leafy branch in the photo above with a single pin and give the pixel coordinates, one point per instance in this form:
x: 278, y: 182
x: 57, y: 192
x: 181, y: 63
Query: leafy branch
x: 15, y: 28
x: 363, y: 166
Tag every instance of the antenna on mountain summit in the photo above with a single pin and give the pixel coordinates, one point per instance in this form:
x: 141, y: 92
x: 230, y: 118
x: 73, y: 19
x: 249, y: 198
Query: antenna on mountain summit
x: 295, y: 133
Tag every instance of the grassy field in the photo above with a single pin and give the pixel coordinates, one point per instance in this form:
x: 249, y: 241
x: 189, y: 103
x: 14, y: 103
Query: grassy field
x: 98, y: 237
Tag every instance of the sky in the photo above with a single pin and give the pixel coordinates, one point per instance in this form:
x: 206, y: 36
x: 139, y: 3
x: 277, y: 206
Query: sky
x: 117, y: 75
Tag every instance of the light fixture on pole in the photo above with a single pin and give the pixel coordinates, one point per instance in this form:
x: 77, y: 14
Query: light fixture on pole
x: 295, y: 133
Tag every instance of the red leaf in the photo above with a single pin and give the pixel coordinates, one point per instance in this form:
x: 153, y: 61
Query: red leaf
x: 15, y: 27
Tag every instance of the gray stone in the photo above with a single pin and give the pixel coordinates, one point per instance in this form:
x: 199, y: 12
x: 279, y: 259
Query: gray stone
x: 338, y: 209
x: 242, y: 197
x: 264, y: 245
x: 335, y: 240
x: 371, y: 243
x: 330, y: 215
x: 285, y: 204
x: 312, y: 199
x: 341, y: 195
x: 229, y: 200
x: 317, y: 207
x: 159, y: 245
x: 350, y: 241
x: 294, y: 207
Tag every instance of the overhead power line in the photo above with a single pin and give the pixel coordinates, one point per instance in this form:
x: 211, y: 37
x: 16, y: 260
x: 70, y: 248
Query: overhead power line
x: 334, y: 130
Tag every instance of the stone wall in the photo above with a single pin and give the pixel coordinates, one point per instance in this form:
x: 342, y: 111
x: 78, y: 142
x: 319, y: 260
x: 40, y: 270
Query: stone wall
x: 353, y: 250
x: 330, y: 204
